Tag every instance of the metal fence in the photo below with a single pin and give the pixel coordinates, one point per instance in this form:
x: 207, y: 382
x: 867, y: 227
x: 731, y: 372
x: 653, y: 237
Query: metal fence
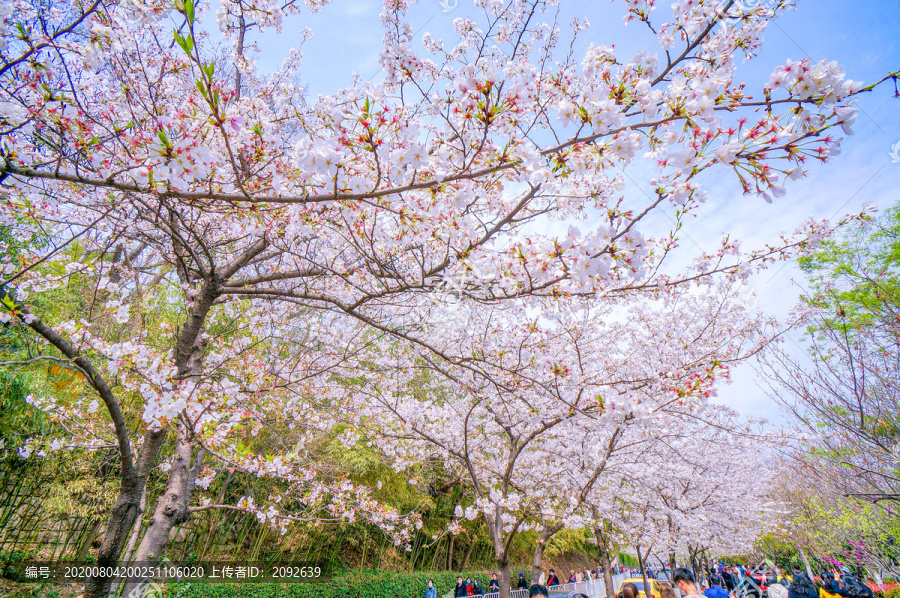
x: 594, y: 588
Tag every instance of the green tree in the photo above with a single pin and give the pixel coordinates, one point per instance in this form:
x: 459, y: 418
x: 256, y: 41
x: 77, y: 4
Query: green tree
x: 848, y: 398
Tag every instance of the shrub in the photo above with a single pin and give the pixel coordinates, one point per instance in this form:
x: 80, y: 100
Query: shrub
x: 358, y: 584
x: 890, y: 590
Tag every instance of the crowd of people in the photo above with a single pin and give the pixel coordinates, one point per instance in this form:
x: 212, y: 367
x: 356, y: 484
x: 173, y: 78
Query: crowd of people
x: 471, y: 587
x: 721, y: 581
x: 739, y: 582
x: 777, y: 583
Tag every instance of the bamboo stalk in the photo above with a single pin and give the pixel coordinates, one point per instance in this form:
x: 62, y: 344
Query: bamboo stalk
x: 13, y: 508
x: 365, y: 546
x: 72, y: 529
x: 257, y: 546
x: 85, y: 542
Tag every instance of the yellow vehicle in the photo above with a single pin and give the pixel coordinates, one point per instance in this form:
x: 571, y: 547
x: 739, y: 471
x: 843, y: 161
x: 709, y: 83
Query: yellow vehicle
x: 655, y: 591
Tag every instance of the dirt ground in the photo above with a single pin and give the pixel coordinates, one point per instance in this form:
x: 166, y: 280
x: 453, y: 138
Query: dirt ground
x: 13, y: 589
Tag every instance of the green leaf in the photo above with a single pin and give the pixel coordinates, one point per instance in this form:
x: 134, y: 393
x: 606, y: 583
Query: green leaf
x: 186, y: 42
x: 163, y: 137
x: 8, y: 302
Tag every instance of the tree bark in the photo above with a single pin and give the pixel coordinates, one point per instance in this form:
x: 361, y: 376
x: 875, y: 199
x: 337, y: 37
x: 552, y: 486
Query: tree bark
x: 501, y: 555
x: 450, y: 553
x: 132, y: 542
x: 603, y: 543
x: 647, y: 592
x: 171, y: 508
x: 505, y: 578
x: 124, y: 513
x: 538, y: 559
x: 547, y: 533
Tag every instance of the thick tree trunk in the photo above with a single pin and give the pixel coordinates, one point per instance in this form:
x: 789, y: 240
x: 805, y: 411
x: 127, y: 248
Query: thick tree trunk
x: 546, y: 534
x: 501, y: 556
x: 605, y: 564
x: 647, y: 592
x: 538, y: 559
x: 188, y: 354
x: 171, y: 508
x: 671, y: 562
x: 604, y: 544
x: 124, y: 512
x: 505, y: 578
x: 132, y: 542
x: 118, y: 525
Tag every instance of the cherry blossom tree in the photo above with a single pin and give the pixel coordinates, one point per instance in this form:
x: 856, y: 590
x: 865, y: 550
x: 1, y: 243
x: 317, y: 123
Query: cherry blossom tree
x: 547, y: 419
x: 215, y: 415
x: 224, y: 185
x: 696, y: 490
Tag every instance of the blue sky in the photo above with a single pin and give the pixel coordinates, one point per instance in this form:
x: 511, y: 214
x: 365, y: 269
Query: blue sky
x: 861, y: 35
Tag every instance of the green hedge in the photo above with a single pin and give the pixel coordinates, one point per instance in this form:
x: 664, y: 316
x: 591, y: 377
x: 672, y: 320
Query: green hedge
x: 351, y: 585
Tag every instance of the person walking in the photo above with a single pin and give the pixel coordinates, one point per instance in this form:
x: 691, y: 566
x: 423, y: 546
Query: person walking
x: 716, y: 591
x: 715, y: 579
x: 460, y: 590
x: 802, y: 587
x: 750, y: 587
x: 853, y: 587
x: 666, y: 591
x: 729, y: 579
x: 684, y: 579
x: 629, y: 590
x: 782, y: 577
x: 430, y: 591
